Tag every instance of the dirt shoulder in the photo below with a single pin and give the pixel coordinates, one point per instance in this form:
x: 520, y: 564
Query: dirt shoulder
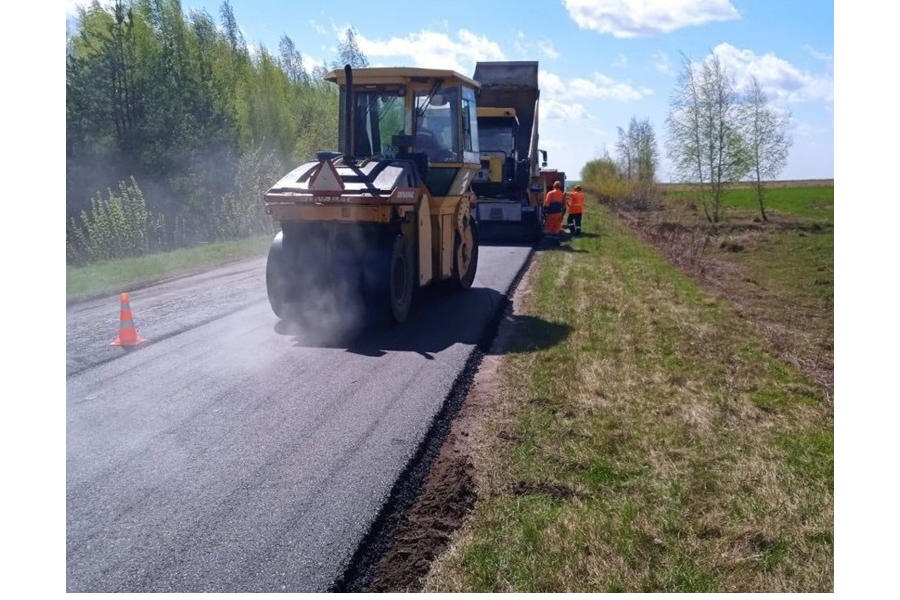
x: 449, y: 491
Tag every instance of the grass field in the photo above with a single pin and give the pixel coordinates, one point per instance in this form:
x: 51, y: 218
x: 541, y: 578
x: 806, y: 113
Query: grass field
x: 779, y: 274
x: 666, y: 444
x: 118, y: 275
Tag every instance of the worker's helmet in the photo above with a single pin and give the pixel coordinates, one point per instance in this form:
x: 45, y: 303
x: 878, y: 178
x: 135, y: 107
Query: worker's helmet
x: 557, y: 185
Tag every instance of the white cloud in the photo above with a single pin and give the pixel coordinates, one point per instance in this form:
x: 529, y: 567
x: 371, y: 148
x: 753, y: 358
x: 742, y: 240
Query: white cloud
x: 525, y: 47
x: 554, y: 109
x: 630, y: 18
x: 605, y: 88
x: 318, y: 27
x: 778, y: 78
x: 599, y: 87
x: 519, y: 44
x: 803, y: 129
x: 550, y: 83
x: 662, y: 63
x: 621, y: 61
x: 548, y: 49
x: 828, y: 59
x: 435, y: 50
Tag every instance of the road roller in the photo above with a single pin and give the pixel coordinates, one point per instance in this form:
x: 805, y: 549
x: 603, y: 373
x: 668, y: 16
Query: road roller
x: 390, y: 211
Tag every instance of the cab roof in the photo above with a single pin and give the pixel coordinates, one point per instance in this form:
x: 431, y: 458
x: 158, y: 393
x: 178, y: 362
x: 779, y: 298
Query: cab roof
x: 401, y: 75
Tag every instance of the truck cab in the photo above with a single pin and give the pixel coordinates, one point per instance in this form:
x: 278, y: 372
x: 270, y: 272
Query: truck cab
x: 497, y: 131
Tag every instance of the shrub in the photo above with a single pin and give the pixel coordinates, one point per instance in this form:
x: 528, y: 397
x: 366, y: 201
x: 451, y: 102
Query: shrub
x: 601, y: 177
x: 242, y: 213
x: 115, y: 227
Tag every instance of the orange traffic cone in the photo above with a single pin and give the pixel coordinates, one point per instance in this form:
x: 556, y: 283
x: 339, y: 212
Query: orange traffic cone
x: 127, y: 333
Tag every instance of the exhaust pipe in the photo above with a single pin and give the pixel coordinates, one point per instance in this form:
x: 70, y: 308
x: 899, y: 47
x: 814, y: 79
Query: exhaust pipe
x: 348, y: 115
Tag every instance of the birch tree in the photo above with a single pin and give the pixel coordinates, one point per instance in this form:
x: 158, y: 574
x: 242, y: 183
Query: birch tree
x: 768, y: 144
x: 705, y: 141
x: 638, y: 157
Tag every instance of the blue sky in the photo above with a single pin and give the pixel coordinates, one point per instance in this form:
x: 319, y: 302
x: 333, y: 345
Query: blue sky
x: 602, y: 62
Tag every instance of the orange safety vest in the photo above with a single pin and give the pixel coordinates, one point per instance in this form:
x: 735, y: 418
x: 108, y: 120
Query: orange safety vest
x: 576, y: 203
x: 555, y: 201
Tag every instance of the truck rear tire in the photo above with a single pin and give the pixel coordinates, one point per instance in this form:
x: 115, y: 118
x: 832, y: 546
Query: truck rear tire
x: 535, y: 226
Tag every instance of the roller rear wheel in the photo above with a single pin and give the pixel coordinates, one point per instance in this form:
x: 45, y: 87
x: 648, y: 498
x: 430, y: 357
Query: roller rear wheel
x: 402, y: 271
x: 278, y: 280
x: 465, y: 255
x: 388, y: 279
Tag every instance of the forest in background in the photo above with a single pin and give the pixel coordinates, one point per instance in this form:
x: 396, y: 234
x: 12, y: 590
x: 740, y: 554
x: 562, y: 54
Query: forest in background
x: 175, y: 129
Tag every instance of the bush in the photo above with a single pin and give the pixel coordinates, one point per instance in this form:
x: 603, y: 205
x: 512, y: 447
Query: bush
x: 242, y: 213
x: 115, y: 227
x: 601, y: 178
x: 121, y: 226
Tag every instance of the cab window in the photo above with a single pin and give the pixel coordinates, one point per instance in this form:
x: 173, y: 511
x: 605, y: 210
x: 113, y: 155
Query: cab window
x: 469, y: 126
x: 436, y: 130
x: 378, y: 116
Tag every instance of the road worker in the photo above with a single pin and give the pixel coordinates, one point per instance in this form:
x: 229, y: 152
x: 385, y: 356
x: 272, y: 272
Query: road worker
x: 575, y: 208
x: 554, y: 206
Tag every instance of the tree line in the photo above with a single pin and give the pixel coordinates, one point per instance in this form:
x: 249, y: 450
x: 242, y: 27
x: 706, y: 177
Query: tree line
x: 716, y: 137
x: 175, y: 129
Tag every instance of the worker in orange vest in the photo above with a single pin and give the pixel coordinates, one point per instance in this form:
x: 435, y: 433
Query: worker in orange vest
x: 554, y: 206
x: 575, y: 207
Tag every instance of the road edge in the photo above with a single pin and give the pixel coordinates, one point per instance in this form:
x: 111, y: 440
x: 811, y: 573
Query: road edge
x: 362, y: 567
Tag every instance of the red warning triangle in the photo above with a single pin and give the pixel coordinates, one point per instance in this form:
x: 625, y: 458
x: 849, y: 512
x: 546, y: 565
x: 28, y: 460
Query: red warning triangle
x: 325, y: 179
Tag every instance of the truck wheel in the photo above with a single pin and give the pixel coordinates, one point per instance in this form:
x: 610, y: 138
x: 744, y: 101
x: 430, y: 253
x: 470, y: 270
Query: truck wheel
x: 277, y: 278
x: 536, y: 226
x: 401, y: 278
x: 465, y: 255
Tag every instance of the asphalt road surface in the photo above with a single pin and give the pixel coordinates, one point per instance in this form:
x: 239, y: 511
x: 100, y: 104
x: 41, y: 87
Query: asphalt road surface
x: 235, y: 452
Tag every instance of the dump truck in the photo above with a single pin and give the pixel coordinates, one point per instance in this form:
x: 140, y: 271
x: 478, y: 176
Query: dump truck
x: 508, y: 185
x: 550, y: 176
x: 391, y: 210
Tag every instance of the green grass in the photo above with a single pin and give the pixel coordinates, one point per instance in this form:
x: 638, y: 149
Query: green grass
x: 661, y: 445
x: 815, y: 203
x: 120, y: 275
x: 808, y: 202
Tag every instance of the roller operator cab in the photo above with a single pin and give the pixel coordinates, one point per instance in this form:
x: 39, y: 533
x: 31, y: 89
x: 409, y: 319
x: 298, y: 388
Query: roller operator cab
x: 391, y: 210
